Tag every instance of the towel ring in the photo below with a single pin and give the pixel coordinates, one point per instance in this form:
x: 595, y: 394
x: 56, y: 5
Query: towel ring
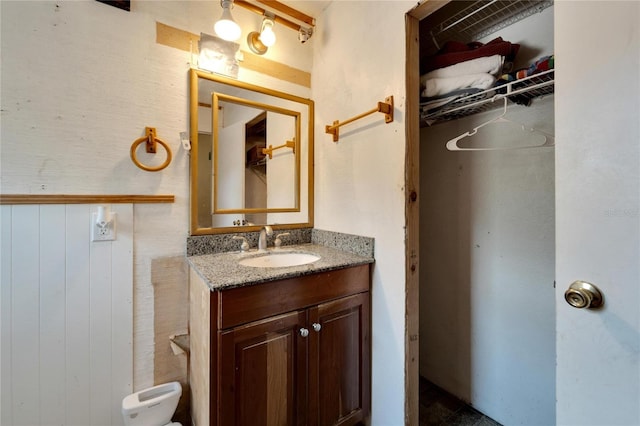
x: 151, y: 140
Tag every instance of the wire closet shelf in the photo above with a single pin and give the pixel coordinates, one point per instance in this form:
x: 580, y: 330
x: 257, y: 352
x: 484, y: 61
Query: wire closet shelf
x: 525, y: 89
x: 480, y: 19
x: 484, y: 17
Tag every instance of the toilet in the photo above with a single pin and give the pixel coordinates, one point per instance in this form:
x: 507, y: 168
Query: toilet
x: 153, y: 406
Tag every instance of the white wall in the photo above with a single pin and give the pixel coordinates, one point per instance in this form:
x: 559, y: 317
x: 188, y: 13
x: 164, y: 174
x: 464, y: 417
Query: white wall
x: 487, y: 329
x: 487, y: 273
x: 67, y: 309
x: 281, y: 168
x: 80, y: 81
x: 230, y: 163
x: 359, y: 59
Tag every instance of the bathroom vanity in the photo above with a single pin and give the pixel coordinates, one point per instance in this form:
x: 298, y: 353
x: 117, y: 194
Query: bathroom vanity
x: 277, y: 337
x: 280, y: 346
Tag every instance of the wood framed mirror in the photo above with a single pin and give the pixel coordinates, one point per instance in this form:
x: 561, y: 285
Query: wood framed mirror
x: 251, y: 156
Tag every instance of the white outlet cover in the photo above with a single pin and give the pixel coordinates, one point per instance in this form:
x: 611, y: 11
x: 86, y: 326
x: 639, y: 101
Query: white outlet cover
x: 106, y: 233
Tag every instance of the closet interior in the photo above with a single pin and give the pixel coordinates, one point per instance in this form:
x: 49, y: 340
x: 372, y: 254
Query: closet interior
x: 487, y: 241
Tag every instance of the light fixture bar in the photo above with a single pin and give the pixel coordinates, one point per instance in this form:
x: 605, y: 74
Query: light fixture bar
x: 288, y: 10
x: 278, y: 19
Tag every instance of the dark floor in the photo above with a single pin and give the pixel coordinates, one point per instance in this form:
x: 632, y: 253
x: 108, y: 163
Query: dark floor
x: 438, y: 407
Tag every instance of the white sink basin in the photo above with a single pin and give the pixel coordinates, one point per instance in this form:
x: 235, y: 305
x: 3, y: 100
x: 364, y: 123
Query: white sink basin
x: 279, y: 260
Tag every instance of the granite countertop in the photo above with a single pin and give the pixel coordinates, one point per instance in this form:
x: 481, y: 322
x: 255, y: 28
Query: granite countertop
x: 222, y: 271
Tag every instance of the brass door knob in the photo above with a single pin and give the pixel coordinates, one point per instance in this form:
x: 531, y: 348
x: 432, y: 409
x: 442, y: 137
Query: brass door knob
x: 582, y: 294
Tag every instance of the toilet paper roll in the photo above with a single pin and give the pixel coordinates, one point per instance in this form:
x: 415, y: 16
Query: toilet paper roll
x: 177, y: 350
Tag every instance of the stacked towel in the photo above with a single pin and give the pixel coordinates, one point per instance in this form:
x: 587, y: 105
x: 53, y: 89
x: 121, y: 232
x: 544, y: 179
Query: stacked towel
x: 455, y: 52
x: 461, y: 70
x: 464, y: 69
x: 444, y: 85
x: 477, y: 73
x: 434, y: 87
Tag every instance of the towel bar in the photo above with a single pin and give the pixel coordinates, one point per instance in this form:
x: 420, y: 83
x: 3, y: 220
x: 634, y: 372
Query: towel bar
x: 385, y: 107
x: 288, y: 144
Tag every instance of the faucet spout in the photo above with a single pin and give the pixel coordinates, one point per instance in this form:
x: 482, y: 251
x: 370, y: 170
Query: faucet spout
x: 264, y: 233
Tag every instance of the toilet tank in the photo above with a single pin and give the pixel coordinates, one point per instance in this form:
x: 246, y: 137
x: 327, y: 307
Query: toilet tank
x: 153, y: 406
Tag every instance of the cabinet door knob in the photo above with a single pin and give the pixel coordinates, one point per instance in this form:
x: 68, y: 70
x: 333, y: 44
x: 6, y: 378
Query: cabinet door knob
x: 304, y: 332
x: 316, y: 326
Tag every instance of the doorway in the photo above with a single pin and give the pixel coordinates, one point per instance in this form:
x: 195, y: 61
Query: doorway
x: 486, y: 242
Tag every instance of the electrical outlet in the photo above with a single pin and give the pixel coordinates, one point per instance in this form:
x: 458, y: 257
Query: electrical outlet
x: 103, y: 233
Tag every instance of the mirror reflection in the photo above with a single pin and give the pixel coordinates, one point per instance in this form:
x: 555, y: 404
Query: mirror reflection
x: 251, y: 159
x: 255, y: 166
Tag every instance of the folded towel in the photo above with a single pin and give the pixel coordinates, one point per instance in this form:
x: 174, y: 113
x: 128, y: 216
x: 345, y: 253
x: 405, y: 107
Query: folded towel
x: 490, y: 64
x: 442, y: 86
x: 455, y: 52
x: 432, y: 105
x: 435, y: 104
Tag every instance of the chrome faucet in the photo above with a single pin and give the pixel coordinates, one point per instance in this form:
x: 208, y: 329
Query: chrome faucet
x: 264, y: 233
x: 244, y: 246
x: 278, y: 242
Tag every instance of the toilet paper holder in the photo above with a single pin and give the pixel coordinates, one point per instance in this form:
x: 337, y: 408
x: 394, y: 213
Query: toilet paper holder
x: 180, y: 343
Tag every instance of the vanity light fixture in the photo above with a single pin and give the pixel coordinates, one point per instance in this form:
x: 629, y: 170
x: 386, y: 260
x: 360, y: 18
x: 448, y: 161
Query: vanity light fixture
x: 259, y: 42
x: 226, y: 28
x: 267, y: 36
x: 255, y: 44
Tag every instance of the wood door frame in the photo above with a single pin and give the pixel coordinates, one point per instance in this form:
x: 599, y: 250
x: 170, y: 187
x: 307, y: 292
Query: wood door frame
x: 412, y: 206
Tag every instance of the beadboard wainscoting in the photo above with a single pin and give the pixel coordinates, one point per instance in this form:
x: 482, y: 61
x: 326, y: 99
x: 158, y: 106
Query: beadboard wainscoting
x: 67, y: 317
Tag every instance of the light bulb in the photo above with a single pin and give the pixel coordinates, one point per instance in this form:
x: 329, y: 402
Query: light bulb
x: 226, y: 28
x: 267, y: 36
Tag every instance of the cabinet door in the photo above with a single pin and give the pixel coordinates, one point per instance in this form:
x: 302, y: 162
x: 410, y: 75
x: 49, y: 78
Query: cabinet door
x: 263, y: 373
x: 339, y: 361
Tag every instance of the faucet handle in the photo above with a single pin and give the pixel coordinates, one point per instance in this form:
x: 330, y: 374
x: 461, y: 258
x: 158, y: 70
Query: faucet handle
x: 245, y: 245
x: 278, y: 241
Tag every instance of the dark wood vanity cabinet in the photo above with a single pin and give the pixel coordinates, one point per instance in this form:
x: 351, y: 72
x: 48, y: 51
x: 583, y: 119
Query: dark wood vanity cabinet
x: 292, y: 352
x: 339, y: 361
x: 262, y: 377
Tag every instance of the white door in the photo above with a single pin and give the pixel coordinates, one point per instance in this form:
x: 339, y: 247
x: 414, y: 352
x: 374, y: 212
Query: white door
x: 598, y: 209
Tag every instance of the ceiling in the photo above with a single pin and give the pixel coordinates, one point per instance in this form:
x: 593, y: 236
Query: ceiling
x: 312, y: 8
